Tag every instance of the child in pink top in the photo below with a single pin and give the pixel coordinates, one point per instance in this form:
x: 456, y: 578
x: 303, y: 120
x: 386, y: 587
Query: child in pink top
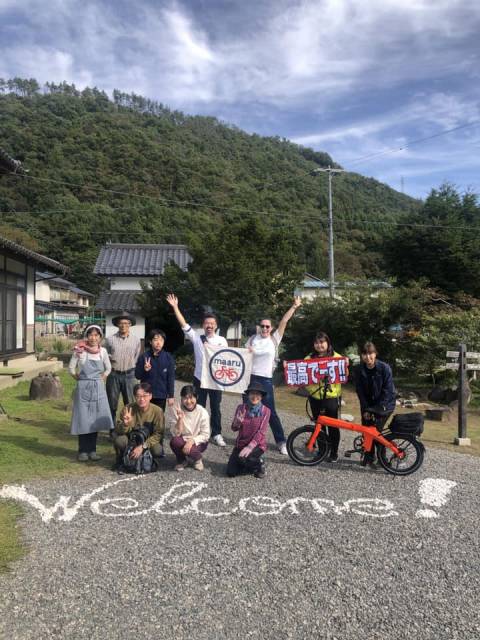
x: 251, y: 421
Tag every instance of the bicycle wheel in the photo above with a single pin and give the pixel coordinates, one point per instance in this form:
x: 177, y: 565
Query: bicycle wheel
x: 297, y: 446
x: 414, y: 452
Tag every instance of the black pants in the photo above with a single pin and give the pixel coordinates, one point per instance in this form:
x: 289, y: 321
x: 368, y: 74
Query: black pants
x: 215, y: 400
x: 380, y: 423
x: 87, y: 442
x: 250, y: 464
x: 160, y: 402
x: 329, y: 407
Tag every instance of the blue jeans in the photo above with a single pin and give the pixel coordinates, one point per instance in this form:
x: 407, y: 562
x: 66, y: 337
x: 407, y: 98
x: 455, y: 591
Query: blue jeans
x: 215, y: 399
x: 120, y: 383
x: 269, y: 401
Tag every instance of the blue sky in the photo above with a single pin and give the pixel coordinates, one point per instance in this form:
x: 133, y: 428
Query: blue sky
x: 348, y: 77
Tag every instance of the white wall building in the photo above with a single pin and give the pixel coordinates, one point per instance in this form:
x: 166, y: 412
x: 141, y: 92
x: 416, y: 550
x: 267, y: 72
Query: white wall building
x: 126, y: 266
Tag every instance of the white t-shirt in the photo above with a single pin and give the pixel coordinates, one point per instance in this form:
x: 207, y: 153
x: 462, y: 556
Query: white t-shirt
x: 264, y: 353
x: 216, y: 341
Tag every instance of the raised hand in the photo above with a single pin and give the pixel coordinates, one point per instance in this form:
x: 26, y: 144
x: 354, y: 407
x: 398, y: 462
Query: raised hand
x: 297, y: 301
x: 148, y: 365
x: 172, y: 300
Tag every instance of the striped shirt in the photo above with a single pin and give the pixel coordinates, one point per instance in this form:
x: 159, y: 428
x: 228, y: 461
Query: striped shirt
x: 123, y: 351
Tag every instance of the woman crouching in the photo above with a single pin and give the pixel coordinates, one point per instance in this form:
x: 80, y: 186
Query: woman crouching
x: 190, y: 430
x: 251, y: 421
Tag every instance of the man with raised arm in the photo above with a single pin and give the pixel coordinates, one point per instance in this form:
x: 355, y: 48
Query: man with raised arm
x: 264, y: 346
x: 198, y: 339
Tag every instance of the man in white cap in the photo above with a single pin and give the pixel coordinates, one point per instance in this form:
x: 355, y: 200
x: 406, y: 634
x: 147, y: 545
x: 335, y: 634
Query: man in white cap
x: 123, y: 348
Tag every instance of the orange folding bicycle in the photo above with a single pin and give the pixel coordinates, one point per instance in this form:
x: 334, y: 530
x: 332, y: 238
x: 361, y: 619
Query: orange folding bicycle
x: 398, y: 450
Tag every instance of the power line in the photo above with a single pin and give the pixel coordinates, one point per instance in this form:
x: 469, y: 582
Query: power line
x: 410, y: 143
x: 303, y: 224
x: 164, y: 201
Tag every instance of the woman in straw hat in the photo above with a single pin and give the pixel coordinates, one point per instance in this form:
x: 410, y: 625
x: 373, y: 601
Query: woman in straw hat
x: 251, y: 421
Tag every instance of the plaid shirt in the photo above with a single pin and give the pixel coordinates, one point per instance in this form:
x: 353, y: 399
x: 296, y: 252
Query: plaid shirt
x: 123, y: 351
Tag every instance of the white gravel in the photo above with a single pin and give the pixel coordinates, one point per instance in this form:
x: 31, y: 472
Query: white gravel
x: 338, y: 574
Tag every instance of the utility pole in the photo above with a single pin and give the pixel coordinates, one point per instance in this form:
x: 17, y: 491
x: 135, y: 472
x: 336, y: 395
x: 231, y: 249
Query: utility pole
x: 331, y: 269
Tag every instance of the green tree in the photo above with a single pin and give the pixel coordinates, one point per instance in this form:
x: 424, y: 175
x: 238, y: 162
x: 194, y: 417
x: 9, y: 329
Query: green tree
x: 241, y: 271
x: 442, y: 244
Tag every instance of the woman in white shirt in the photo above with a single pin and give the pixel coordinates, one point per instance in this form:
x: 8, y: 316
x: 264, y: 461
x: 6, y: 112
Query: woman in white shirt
x: 90, y: 366
x: 264, y: 346
x: 190, y: 427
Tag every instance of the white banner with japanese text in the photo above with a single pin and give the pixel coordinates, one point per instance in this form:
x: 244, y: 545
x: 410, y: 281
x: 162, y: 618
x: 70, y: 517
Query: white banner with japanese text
x: 314, y: 371
x: 226, y: 368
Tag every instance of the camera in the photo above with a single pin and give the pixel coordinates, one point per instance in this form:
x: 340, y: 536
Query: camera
x: 140, y: 435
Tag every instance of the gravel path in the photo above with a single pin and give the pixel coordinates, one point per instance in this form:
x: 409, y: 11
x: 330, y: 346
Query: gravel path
x: 156, y: 563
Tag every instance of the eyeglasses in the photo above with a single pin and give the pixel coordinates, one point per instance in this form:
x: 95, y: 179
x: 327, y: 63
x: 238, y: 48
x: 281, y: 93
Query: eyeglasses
x: 141, y: 397
x: 265, y: 326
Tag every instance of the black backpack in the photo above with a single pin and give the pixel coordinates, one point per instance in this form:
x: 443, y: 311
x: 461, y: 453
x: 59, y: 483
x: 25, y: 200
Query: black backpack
x: 143, y: 464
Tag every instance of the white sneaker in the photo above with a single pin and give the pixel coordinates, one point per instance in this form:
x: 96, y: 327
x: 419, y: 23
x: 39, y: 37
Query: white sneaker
x: 282, y: 448
x: 219, y: 441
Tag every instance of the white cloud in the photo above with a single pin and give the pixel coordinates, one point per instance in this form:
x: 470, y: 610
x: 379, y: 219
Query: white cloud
x: 360, y: 77
x: 323, y: 48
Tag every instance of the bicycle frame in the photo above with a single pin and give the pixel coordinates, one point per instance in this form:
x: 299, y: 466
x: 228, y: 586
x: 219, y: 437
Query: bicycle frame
x: 370, y: 434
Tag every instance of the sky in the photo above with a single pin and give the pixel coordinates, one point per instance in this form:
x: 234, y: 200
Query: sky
x: 377, y: 84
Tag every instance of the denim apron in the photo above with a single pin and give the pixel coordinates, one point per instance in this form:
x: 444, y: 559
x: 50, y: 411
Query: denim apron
x: 91, y: 412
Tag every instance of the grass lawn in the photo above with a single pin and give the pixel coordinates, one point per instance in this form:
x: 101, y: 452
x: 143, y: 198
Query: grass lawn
x: 436, y: 434
x: 36, y: 444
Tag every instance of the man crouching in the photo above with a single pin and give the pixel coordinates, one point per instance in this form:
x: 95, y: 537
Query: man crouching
x: 138, y: 436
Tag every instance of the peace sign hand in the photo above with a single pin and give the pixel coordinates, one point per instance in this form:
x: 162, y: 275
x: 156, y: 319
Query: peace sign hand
x: 148, y: 365
x: 127, y: 416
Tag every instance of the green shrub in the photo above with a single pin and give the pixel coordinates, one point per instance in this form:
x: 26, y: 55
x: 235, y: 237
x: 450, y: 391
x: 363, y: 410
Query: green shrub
x: 185, y: 366
x: 60, y: 346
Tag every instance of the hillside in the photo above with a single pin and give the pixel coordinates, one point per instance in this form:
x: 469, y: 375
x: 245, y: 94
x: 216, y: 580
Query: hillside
x: 128, y: 169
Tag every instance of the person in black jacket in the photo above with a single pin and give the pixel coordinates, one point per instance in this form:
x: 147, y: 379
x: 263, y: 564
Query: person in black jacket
x: 375, y: 388
x: 157, y: 367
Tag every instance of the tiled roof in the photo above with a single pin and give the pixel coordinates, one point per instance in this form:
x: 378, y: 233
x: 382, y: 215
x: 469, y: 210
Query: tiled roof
x: 33, y: 255
x: 139, y: 259
x: 61, y: 283
x: 118, y: 300
x: 81, y: 292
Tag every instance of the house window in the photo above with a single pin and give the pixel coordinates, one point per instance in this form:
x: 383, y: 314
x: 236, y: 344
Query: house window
x: 12, y: 305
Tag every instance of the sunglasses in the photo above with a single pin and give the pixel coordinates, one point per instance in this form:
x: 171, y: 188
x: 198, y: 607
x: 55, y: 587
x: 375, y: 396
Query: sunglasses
x: 265, y: 326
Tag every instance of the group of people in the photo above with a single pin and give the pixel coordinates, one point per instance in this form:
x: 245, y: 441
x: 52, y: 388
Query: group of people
x: 146, y: 383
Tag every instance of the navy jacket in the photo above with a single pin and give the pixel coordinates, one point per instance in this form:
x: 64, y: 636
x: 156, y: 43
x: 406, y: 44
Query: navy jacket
x: 161, y: 376
x: 383, y: 389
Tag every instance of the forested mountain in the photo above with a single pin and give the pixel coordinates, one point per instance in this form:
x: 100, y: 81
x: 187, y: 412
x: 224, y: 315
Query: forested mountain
x: 128, y: 169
